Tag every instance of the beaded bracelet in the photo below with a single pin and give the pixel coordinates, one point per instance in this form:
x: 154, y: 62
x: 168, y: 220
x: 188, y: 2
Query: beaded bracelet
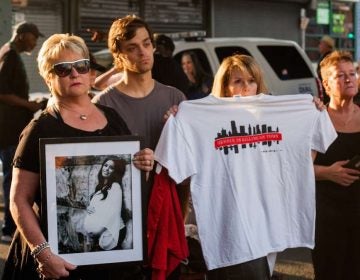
x: 39, y: 248
x: 42, y: 249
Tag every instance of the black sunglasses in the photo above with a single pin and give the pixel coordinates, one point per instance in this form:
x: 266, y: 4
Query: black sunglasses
x: 63, y: 69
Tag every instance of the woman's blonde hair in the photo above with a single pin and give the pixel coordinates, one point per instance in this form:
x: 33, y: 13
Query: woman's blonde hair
x: 242, y: 63
x: 333, y: 59
x: 53, y: 46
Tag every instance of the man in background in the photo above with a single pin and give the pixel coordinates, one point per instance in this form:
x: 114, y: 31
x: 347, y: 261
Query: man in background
x: 166, y: 69
x: 15, y: 108
x: 326, y: 46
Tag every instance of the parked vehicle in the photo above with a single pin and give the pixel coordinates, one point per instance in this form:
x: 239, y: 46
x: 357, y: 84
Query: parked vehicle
x: 286, y: 67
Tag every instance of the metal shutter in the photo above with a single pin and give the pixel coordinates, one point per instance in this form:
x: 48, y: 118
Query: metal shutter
x: 99, y: 14
x: 175, y: 15
x: 252, y: 18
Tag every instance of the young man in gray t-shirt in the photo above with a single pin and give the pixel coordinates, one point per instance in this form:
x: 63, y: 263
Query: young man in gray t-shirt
x: 140, y: 100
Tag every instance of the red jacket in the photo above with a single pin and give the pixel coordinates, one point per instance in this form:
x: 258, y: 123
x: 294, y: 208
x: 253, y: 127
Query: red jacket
x: 167, y: 245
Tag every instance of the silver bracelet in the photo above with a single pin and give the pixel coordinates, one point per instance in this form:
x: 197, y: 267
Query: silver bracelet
x: 39, y: 248
x: 46, y: 259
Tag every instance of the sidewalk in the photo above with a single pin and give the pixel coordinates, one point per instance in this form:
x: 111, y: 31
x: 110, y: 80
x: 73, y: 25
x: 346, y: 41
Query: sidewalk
x: 292, y: 264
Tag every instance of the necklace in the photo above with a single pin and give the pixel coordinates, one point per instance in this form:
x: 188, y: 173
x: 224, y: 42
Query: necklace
x: 82, y: 117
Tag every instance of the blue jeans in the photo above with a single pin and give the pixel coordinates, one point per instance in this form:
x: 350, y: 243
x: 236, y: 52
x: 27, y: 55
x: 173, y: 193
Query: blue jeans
x: 6, y: 156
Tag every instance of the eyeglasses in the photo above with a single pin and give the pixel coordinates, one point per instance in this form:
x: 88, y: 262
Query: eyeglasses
x: 63, y: 69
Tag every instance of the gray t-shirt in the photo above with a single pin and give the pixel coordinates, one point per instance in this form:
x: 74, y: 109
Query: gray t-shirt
x: 144, y: 116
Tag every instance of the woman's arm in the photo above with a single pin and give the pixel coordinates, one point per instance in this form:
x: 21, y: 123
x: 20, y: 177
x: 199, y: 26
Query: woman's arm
x: 24, y: 187
x: 104, y: 80
x: 15, y: 100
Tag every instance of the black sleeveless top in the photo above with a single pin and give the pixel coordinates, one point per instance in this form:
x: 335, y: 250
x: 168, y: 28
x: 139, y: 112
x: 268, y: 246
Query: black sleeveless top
x: 345, y: 146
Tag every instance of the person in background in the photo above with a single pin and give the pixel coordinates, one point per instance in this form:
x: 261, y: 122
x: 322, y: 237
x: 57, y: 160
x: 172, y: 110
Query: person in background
x: 95, y: 69
x: 337, y: 234
x: 108, y: 78
x: 15, y: 108
x: 199, y: 81
x: 326, y: 46
x: 166, y: 69
x: 64, y: 64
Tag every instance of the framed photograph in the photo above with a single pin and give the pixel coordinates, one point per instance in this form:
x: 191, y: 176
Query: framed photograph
x: 91, y: 193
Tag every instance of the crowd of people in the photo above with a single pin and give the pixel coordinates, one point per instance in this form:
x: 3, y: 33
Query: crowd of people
x: 256, y: 175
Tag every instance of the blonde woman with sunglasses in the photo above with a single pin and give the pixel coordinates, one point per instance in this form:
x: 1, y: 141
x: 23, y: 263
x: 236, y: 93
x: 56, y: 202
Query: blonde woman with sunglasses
x: 63, y: 62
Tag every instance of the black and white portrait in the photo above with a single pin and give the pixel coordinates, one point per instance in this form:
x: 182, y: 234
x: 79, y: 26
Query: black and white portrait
x: 93, y: 195
x: 93, y: 201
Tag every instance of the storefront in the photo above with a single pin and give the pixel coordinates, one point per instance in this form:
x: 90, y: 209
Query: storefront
x: 333, y: 18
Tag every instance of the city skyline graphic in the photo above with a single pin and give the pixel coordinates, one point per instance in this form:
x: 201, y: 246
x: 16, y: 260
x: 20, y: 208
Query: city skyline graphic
x: 247, y: 136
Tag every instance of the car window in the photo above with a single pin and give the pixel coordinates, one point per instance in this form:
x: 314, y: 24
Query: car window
x: 223, y: 52
x: 286, y: 61
x: 202, y: 58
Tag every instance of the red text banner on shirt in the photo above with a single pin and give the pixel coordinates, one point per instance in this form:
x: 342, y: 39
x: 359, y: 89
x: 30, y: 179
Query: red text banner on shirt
x: 247, y: 139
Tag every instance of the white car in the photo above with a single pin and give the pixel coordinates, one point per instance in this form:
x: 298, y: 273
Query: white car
x: 286, y: 67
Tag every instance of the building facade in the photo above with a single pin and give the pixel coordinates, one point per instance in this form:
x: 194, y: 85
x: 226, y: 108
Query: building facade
x: 278, y: 19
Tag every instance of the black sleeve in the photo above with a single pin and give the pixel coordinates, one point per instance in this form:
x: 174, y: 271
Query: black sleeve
x: 8, y: 73
x: 27, y: 152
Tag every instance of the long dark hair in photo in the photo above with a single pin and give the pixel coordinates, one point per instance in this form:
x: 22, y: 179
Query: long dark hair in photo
x: 115, y: 177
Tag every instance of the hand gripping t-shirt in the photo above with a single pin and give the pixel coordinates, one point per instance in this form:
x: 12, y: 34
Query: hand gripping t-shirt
x: 252, y: 177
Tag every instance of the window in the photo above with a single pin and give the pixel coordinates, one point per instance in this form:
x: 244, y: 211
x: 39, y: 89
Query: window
x: 223, y: 52
x: 286, y: 62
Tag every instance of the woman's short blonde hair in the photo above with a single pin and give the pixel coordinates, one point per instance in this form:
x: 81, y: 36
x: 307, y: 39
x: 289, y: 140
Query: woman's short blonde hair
x: 333, y: 59
x: 242, y: 63
x: 53, y: 46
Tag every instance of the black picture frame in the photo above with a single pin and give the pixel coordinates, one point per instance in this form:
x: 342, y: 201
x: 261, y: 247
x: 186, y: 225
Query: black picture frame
x: 78, y: 224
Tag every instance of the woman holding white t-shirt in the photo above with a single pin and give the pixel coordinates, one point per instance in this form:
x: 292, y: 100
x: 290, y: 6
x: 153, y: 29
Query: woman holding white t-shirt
x: 240, y: 75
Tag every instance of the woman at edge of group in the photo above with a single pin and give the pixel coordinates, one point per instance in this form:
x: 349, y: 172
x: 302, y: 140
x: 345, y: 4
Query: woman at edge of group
x: 103, y: 220
x: 63, y: 62
x: 337, y: 233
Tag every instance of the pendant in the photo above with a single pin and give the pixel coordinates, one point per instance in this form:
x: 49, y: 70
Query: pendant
x: 83, y: 117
